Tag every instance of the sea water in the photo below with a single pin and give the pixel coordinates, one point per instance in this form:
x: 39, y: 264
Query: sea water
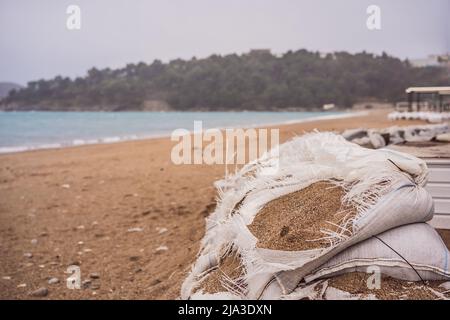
x: 20, y: 131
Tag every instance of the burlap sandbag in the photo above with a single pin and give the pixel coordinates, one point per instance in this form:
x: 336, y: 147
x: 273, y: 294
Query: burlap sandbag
x: 406, y: 204
x: 412, y: 252
x: 385, y: 187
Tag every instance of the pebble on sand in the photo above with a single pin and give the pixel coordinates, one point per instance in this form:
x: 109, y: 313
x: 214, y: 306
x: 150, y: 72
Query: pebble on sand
x: 53, y: 281
x: 161, y: 249
x: 137, y: 229
x: 6, y: 278
x: 34, y: 241
x: 65, y: 186
x: 22, y: 285
x: 28, y: 255
x: 94, y: 275
x: 41, y: 292
x: 161, y: 230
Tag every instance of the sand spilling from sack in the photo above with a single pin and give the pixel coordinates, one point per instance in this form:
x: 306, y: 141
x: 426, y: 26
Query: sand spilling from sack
x: 390, y: 288
x: 294, y: 221
x: 224, y: 276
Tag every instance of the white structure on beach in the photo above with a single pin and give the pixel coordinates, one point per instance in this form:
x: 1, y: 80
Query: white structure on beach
x: 433, y: 60
x: 429, y: 98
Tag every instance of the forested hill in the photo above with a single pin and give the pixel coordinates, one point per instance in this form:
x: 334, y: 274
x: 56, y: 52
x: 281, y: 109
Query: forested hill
x: 6, y: 87
x: 254, y: 81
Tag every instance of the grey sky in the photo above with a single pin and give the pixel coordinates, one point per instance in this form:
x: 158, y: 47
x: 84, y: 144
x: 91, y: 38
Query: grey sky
x: 34, y: 41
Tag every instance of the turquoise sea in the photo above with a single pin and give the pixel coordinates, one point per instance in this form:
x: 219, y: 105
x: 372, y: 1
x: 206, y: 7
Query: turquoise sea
x: 20, y: 131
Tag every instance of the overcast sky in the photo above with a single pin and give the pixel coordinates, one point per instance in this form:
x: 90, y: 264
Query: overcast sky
x: 35, y: 43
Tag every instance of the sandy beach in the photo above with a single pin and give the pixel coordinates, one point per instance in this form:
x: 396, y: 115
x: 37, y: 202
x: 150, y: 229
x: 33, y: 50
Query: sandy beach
x: 113, y: 209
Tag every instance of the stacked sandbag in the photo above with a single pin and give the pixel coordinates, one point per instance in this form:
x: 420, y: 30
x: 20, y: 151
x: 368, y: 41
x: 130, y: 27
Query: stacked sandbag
x: 379, y: 138
x: 430, y: 116
x: 411, y: 252
x: 297, y: 215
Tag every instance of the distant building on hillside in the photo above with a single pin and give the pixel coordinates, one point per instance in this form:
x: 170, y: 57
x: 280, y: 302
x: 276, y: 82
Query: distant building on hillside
x: 433, y: 60
x: 324, y: 55
x: 259, y: 51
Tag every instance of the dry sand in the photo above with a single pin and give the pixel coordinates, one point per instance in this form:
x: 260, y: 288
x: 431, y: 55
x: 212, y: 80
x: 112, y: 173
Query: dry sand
x: 102, y: 207
x: 295, y: 221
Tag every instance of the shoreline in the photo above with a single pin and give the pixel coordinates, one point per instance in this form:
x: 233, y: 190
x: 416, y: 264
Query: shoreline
x: 117, y: 139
